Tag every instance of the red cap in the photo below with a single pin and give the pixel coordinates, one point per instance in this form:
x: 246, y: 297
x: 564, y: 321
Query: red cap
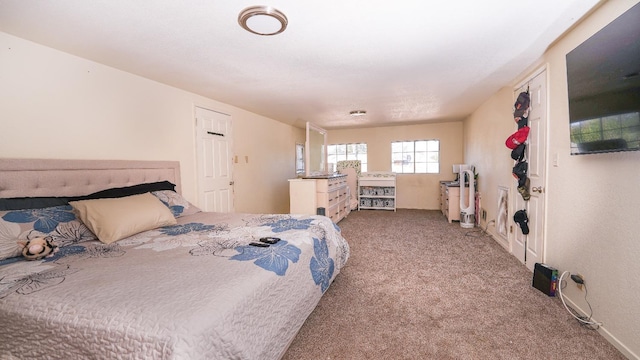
x: 517, y: 137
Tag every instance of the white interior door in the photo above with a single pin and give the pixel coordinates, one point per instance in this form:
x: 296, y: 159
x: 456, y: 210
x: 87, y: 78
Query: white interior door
x: 215, y: 180
x: 529, y: 248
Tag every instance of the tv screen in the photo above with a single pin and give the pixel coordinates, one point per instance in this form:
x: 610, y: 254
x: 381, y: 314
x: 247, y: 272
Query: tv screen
x: 603, y: 75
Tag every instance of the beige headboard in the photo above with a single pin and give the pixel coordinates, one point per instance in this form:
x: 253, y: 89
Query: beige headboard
x: 49, y: 177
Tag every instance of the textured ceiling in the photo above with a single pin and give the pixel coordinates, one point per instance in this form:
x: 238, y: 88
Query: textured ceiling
x: 406, y: 61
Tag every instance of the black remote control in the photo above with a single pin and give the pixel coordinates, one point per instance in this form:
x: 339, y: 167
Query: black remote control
x: 269, y: 240
x: 259, y: 244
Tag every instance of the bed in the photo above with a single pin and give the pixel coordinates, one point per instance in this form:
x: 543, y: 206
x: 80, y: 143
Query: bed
x: 192, y: 288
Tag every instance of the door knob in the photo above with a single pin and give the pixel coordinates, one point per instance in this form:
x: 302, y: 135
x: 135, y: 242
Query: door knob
x: 231, y: 183
x: 538, y: 189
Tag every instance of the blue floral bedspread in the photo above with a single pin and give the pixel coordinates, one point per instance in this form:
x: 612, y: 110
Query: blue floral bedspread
x: 194, y: 290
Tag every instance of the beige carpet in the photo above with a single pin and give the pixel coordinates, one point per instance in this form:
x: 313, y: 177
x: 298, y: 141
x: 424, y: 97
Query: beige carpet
x: 417, y: 287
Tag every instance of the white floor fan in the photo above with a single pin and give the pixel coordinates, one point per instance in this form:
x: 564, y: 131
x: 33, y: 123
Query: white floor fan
x: 467, y: 203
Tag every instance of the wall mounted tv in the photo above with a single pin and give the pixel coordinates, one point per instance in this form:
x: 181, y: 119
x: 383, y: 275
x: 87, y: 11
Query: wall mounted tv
x: 603, y: 75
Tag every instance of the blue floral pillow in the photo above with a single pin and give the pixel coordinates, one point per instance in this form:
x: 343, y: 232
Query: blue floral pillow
x: 58, y: 222
x: 178, y: 205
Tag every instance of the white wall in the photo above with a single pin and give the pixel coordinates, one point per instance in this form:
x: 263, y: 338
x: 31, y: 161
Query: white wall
x: 485, y: 132
x: 261, y: 183
x: 414, y: 191
x: 593, y: 201
x: 594, y: 205
x: 55, y: 105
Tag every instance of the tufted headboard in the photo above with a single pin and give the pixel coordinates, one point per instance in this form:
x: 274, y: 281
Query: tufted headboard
x: 55, y: 177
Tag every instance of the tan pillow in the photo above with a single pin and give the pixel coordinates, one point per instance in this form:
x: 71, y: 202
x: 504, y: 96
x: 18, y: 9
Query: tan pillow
x: 117, y: 218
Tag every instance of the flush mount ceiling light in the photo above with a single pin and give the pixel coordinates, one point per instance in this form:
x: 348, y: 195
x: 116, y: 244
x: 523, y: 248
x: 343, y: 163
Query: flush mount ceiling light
x: 358, y: 113
x: 262, y: 20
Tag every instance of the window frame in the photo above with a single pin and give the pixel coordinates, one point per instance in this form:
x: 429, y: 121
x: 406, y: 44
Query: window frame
x: 346, y: 154
x: 411, y: 151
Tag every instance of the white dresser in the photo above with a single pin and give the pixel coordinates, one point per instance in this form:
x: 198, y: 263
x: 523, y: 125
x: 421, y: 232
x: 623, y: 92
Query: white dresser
x: 331, y: 193
x: 450, y: 199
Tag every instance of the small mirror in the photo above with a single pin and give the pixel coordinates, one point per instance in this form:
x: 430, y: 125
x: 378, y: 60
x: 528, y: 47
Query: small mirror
x: 316, y: 151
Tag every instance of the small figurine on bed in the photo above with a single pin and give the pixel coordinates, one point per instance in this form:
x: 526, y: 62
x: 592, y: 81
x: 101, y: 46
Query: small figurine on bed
x: 37, y: 248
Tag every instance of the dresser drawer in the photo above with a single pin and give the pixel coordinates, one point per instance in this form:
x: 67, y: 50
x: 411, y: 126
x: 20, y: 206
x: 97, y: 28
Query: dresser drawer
x: 327, y: 199
x: 333, y: 212
x: 327, y: 185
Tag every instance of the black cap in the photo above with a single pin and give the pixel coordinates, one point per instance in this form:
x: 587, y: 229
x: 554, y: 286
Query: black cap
x: 521, y: 218
x: 517, y: 154
x: 522, y: 121
x: 520, y: 172
x: 521, y: 105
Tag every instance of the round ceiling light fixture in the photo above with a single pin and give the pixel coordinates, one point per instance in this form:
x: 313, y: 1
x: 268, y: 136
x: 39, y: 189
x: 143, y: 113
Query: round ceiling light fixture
x: 358, y: 113
x: 263, y: 20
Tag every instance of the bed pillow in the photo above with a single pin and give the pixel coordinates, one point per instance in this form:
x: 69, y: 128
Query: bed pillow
x: 19, y: 203
x: 128, y: 191
x: 32, y: 202
x: 113, y: 219
x: 58, y: 222
x: 178, y: 205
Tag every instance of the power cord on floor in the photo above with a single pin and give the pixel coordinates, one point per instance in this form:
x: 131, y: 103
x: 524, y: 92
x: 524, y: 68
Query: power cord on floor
x: 481, y: 231
x: 584, y: 320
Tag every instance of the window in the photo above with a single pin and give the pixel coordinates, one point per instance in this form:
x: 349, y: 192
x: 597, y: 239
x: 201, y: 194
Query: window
x: 337, y: 152
x: 415, y: 157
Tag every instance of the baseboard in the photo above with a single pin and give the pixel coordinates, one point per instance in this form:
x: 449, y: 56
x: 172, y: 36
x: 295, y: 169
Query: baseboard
x: 602, y: 330
x: 499, y: 239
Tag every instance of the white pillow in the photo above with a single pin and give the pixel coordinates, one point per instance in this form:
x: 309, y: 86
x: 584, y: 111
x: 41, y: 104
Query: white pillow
x: 113, y: 219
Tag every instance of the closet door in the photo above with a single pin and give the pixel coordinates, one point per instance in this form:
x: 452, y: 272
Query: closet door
x: 529, y: 249
x: 213, y: 155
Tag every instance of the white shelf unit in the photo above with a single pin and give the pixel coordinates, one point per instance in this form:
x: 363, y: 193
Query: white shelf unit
x: 377, y: 191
